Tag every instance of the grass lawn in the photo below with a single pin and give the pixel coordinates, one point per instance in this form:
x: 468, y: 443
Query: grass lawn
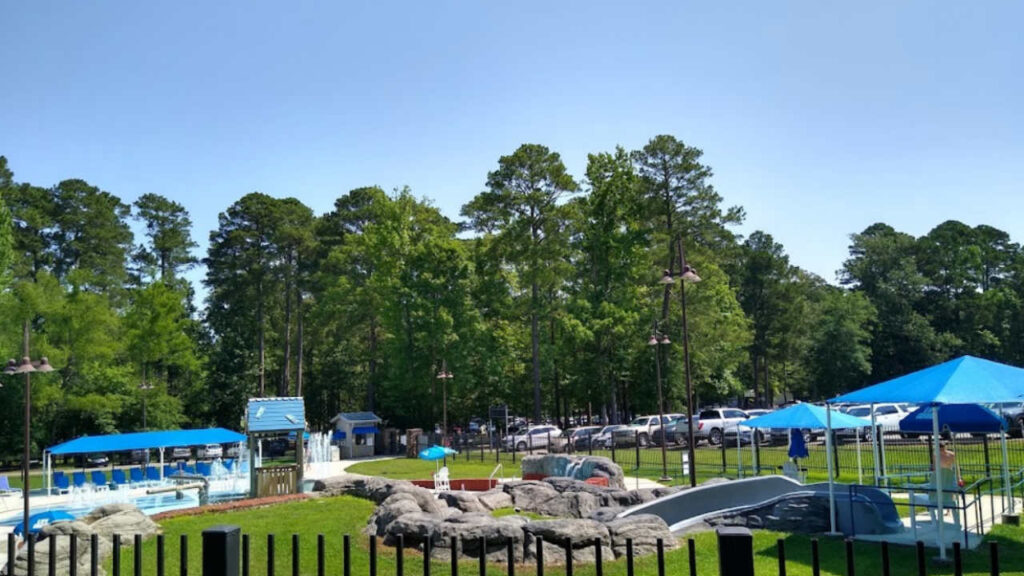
x: 348, y: 515
x: 512, y: 512
x: 415, y: 469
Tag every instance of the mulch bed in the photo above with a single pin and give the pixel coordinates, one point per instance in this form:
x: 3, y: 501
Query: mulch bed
x: 231, y: 506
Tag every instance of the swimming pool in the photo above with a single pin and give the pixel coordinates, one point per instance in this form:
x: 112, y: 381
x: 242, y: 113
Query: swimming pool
x: 148, y: 504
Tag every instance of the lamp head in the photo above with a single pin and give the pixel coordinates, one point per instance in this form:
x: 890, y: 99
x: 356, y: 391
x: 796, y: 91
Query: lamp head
x: 25, y: 366
x: 690, y: 274
x: 12, y: 366
x: 653, y: 341
x: 664, y: 340
x: 666, y: 278
x: 44, y: 365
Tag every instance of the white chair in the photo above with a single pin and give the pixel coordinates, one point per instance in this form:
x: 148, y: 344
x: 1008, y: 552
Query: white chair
x: 441, y: 482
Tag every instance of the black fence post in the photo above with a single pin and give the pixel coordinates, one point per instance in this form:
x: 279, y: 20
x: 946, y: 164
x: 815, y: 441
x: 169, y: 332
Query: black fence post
x: 400, y: 556
x: 661, y: 554
x: 373, y: 555
x: 540, y: 556
x: 958, y: 560
x: 721, y: 444
x: 922, y: 569
x: 115, y: 560
x: 781, y: 545
x: 94, y: 554
x: 850, y: 568
x: 691, y: 552
x: 510, y: 561
x: 629, y: 557
x: 346, y: 555
x: 885, y: 558
x: 136, y: 556
x: 598, y: 568
x: 73, y: 565
x: 426, y: 558
x: 321, y: 562
x: 51, y: 558
x: 220, y: 550
x: 270, y: 555
x: 482, y: 545
x: 636, y: 447
x: 993, y: 561
x: 246, y: 555
x: 454, y: 543
x: 183, y: 556
x: 988, y: 464
x: 735, y: 551
x: 815, y: 558
x: 568, y: 557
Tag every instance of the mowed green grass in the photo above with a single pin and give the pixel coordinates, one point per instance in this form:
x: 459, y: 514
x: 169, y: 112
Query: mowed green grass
x: 415, y: 469
x: 348, y: 515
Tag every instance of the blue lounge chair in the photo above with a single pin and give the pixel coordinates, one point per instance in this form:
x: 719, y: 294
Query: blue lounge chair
x: 118, y: 477
x: 99, y: 480
x: 204, y: 469
x: 169, y: 470
x: 189, y: 469
x: 5, y: 487
x: 78, y: 478
x: 61, y: 483
x: 229, y: 464
x: 152, y: 474
x: 136, y: 476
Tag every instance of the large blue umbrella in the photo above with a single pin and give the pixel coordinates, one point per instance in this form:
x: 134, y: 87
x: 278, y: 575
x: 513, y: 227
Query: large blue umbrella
x: 436, y: 452
x: 36, y: 522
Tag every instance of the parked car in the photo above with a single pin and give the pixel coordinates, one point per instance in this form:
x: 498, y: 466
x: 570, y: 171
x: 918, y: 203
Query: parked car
x: 715, y: 421
x: 579, y: 438
x: 676, y: 430
x: 603, y: 438
x: 1013, y: 413
x: 97, y: 461
x: 233, y: 451
x: 210, y: 452
x: 534, y: 437
x: 640, y: 430
x: 181, y: 453
x: 887, y: 419
x: 276, y: 447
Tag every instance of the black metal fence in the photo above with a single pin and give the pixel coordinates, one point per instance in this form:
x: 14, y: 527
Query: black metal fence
x: 225, y: 551
x: 893, y: 457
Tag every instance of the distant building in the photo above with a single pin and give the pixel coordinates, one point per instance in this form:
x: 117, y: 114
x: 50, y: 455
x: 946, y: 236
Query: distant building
x: 354, y: 432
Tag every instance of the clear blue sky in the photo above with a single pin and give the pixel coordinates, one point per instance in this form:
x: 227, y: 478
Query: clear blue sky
x: 820, y: 118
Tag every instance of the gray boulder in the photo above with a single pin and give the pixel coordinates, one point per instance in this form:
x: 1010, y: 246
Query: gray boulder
x: 470, y: 527
x: 426, y: 499
x: 368, y: 487
x: 644, y: 529
x: 465, y: 501
x: 530, y: 495
x: 416, y: 527
x: 579, y: 535
x: 606, y: 513
x: 391, y: 509
x: 495, y: 499
x: 124, y: 519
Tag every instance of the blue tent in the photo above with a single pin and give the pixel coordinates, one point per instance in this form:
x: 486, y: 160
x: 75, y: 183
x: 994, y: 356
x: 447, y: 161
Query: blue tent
x: 965, y: 380
x: 146, y: 440
x: 806, y: 416
x: 955, y: 418
x: 436, y: 452
x: 37, y: 521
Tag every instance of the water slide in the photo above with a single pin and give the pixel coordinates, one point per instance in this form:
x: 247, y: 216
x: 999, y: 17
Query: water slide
x: 868, y: 510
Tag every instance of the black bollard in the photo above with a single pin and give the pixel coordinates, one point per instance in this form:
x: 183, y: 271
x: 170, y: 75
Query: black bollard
x: 221, y: 548
x: 735, y: 551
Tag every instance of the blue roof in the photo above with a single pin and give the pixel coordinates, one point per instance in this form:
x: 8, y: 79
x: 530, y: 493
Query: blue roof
x: 146, y: 440
x: 805, y: 416
x: 360, y: 416
x: 276, y: 414
x: 965, y: 380
x: 955, y: 418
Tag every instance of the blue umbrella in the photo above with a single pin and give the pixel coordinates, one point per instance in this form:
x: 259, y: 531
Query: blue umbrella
x: 797, y: 446
x: 36, y: 522
x: 436, y: 452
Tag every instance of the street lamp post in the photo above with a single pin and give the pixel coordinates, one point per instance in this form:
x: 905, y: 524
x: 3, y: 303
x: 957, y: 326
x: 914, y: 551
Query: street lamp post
x: 655, y: 341
x: 686, y: 274
x: 444, y: 376
x: 26, y: 367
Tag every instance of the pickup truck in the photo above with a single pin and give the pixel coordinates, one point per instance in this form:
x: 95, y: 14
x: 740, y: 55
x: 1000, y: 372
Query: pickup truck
x: 713, y: 422
x: 641, y: 430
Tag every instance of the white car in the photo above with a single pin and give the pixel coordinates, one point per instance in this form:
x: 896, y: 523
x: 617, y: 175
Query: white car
x: 887, y: 419
x: 641, y: 430
x: 603, y: 438
x: 210, y: 452
x: 535, y: 437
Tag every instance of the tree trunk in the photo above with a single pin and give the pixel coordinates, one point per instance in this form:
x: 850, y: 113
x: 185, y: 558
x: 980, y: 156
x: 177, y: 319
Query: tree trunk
x: 286, y: 372
x: 535, y: 341
x: 299, y: 344
x: 769, y: 396
x: 370, y: 381
x: 259, y: 319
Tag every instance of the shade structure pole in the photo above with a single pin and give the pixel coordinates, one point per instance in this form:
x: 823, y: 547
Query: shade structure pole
x: 1006, y: 473
x: 860, y: 469
x: 739, y: 452
x: 938, y: 482
x: 161, y: 451
x: 874, y: 446
x: 828, y: 459
x: 48, y: 471
x: 753, y: 451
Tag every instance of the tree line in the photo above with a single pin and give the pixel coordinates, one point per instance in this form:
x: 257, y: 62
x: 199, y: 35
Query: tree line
x: 542, y: 295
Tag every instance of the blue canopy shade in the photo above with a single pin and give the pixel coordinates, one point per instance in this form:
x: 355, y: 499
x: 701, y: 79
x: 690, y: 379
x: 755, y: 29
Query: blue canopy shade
x: 955, y: 418
x: 965, y: 380
x: 805, y: 416
x: 36, y: 522
x: 147, y: 440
